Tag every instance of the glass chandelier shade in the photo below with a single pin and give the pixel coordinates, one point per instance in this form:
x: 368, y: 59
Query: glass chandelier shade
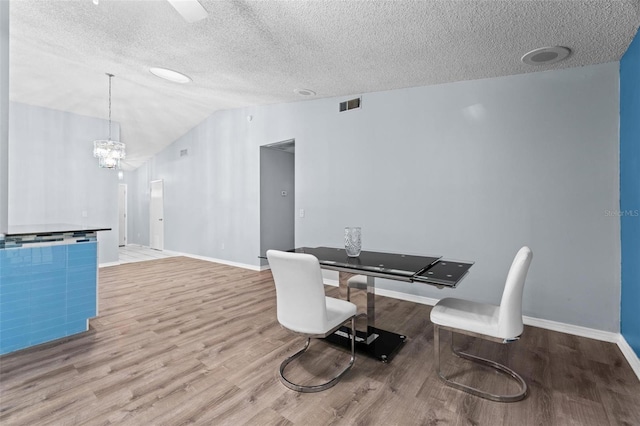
x: 109, y: 152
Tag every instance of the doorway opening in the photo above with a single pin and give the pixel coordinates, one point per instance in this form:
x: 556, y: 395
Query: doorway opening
x: 277, y: 197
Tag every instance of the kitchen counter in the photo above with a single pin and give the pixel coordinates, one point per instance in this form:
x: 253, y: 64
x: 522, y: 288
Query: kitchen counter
x: 51, y: 228
x: 48, y: 283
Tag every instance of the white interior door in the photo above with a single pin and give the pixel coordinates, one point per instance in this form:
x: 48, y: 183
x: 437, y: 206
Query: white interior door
x: 156, y: 211
x: 122, y: 214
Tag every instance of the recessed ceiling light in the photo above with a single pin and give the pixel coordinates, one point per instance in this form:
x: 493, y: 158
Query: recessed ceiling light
x: 305, y: 92
x: 170, y: 75
x: 546, y: 55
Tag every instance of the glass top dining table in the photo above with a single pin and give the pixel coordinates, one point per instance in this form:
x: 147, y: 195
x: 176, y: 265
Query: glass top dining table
x: 402, y: 267
x: 431, y: 270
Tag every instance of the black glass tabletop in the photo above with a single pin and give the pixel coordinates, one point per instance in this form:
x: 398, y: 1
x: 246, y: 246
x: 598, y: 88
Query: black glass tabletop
x: 388, y: 263
x: 444, y: 272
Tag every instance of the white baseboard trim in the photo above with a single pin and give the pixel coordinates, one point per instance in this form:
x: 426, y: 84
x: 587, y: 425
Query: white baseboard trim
x: 394, y: 294
x: 630, y: 355
x: 197, y: 256
x: 576, y: 330
x: 107, y: 264
x: 257, y: 268
x: 408, y: 297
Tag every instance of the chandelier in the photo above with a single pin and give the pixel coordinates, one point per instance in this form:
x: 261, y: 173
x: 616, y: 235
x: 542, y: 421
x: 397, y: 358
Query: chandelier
x: 109, y: 152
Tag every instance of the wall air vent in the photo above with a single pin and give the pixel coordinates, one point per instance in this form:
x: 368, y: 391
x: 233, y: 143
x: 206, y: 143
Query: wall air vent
x: 350, y: 104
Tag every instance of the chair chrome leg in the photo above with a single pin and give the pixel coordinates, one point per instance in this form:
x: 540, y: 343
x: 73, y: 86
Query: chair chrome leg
x: 486, y: 362
x: 323, y: 386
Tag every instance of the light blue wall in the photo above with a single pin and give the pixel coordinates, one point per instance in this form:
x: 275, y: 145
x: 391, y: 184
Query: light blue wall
x: 470, y: 170
x: 53, y: 176
x: 630, y: 193
x: 211, y: 195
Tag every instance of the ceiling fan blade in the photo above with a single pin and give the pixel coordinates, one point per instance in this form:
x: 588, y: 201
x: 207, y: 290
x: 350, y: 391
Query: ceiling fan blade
x: 191, y: 10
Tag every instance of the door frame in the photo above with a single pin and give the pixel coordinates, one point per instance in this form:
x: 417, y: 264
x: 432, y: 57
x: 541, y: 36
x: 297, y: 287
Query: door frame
x: 122, y: 210
x: 156, y: 245
x: 271, y: 196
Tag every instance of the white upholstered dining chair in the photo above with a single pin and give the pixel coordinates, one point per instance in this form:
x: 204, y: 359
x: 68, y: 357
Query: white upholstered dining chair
x: 501, y: 324
x: 303, y: 308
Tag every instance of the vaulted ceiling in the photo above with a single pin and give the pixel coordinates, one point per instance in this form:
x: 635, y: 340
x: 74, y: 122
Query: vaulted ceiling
x: 249, y: 53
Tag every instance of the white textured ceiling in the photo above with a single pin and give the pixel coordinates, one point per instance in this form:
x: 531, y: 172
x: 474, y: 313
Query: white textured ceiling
x: 257, y: 52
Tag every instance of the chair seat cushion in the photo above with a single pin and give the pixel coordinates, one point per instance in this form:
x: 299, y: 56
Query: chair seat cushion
x: 338, y: 311
x: 476, y: 317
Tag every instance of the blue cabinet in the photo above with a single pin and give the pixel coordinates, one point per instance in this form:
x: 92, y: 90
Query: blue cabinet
x: 46, y: 292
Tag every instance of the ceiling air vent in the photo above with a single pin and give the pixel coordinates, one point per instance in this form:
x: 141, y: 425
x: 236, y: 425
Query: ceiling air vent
x: 350, y: 104
x: 184, y: 152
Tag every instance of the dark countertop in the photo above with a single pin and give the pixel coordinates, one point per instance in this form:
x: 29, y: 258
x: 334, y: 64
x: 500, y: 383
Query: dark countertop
x: 52, y: 228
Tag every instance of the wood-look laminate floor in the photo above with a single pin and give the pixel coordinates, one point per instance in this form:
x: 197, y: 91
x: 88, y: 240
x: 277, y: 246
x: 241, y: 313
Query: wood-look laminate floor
x: 181, y: 341
x: 137, y: 253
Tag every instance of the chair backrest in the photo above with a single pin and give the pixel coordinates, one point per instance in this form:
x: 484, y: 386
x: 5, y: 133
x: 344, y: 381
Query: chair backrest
x: 301, y: 303
x: 510, y: 317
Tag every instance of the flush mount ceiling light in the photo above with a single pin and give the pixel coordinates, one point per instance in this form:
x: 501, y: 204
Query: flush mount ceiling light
x: 304, y: 92
x: 546, y: 55
x: 170, y: 75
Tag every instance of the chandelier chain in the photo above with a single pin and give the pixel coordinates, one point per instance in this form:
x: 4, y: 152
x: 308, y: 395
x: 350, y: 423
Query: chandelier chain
x: 110, y: 77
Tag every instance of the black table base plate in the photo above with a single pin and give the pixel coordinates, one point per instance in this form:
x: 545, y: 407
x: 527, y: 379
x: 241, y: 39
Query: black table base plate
x: 384, y: 347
